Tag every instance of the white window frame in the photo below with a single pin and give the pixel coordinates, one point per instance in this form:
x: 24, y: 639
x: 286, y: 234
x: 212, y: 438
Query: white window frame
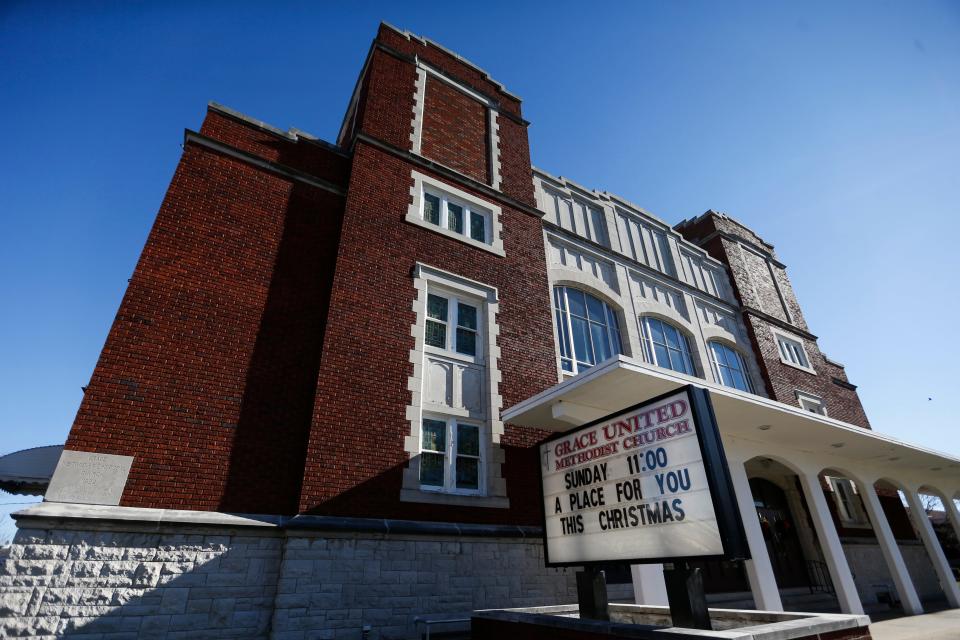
x: 789, y: 347
x: 450, y: 455
x: 716, y: 365
x: 452, y: 322
x: 850, y: 514
x: 466, y: 208
x: 493, y: 494
x: 808, y: 400
x: 423, y: 183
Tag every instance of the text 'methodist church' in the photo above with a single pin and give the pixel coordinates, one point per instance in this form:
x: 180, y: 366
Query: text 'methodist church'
x: 319, y: 405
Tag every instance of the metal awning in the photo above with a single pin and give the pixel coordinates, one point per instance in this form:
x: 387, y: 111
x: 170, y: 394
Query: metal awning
x: 621, y: 382
x: 28, y: 472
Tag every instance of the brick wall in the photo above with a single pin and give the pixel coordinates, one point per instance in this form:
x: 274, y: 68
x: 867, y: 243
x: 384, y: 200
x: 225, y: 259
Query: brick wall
x: 356, y: 452
x: 455, y: 131
x: 228, y: 297
x: 385, y: 111
x: 764, y: 291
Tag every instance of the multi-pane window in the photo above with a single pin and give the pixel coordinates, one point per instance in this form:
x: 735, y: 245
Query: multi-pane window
x: 452, y: 324
x: 729, y: 367
x: 587, y: 329
x: 791, y: 352
x: 811, y: 403
x: 456, y: 216
x: 451, y: 455
x: 848, y: 501
x: 666, y: 346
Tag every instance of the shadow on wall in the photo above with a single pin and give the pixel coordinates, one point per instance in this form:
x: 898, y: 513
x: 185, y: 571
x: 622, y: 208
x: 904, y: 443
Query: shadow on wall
x: 270, y: 440
x: 138, y: 585
x: 377, y: 496
x: 199, y: 585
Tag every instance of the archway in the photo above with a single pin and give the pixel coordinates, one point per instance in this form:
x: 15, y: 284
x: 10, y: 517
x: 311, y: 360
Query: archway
x: 918, y: 558
x: 790, y: 535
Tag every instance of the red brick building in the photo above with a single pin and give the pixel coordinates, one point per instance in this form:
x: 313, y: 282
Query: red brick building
x: 323, y: 337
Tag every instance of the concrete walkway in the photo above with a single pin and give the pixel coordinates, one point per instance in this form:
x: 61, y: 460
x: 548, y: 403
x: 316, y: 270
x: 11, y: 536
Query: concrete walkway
x: 943, y: 625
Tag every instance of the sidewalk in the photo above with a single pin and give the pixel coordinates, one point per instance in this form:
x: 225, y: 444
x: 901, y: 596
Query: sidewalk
x: 943, y: 625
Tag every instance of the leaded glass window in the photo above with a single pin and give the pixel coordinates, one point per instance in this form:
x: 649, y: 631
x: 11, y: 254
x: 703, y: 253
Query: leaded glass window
x: 456, y: 216
x: 445, y: 311
x: 433, y: 452
x: 436, y: 330
x: 451, y: 455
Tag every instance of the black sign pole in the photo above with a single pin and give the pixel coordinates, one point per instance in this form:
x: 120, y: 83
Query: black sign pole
x: 592, y: 594
x: 685, y: 595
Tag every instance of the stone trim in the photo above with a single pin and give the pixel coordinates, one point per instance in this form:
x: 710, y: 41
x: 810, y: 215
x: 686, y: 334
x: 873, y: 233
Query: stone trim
x: 617, y: 257
x: 495, y: 494
x: 419, y: 101
x: 412, y: 36
x: 777, y: 334
x: 419, y: 104
x: 95, y: 517
x: 448, y: 173
x: 192, y: 137
x: 152, y: 519
x: 494, y: 149
x: 414, y: 215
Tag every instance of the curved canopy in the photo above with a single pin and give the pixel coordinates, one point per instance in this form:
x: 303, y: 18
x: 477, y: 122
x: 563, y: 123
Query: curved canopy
x: 28, y: 472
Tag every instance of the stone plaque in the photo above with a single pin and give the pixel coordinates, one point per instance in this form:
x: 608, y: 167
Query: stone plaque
x: 89, y: 478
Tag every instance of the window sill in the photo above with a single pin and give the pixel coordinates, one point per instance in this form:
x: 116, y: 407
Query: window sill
x: 454, y: 499
x: 797, y: 366
x: 452, y: 355
x: 417, y: 220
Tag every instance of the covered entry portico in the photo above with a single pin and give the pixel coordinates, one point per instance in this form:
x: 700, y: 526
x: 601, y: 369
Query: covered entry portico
x: 756, y: 430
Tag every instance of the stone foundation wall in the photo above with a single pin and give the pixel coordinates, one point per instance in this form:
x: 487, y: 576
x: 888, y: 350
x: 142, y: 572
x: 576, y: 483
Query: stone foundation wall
x: 341, y: 583
x: 109, y: 584
x: 233, y: 584
x: 870, y: 572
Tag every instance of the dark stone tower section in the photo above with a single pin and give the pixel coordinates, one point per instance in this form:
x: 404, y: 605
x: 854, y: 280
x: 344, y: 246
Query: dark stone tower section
x: 795, y: 370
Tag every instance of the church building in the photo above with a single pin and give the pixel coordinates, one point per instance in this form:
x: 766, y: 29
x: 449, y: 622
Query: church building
x: 317, y: 411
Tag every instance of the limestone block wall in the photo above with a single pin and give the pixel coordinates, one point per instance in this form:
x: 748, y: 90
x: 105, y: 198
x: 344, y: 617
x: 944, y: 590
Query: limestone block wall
x: 267, y: 582
x: 113, y: 584
x: 333, y: 585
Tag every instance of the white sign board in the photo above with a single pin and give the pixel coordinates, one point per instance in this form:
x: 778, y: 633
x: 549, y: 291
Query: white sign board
x: 631, y: 487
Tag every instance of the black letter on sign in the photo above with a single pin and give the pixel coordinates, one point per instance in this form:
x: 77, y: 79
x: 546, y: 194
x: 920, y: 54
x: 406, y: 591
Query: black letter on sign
x: 556, y: 507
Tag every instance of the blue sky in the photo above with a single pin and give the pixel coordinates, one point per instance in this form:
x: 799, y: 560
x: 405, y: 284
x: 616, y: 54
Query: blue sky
x: 833, y: 129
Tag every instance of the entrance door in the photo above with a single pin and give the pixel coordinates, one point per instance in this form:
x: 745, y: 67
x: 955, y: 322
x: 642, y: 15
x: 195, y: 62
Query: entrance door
x: 780, y: 534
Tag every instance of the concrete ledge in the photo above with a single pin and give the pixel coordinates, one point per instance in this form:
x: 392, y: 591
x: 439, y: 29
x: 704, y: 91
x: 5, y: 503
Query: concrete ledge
x: 55, y: 514
x: 649, y: 622
x: 414, y: 527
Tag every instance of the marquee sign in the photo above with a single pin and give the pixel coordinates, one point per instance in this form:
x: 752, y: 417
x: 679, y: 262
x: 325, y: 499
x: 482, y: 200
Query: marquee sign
x: 647, y: 484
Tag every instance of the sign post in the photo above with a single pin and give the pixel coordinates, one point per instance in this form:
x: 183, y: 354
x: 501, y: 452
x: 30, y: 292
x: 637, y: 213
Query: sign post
x: 648, y: 484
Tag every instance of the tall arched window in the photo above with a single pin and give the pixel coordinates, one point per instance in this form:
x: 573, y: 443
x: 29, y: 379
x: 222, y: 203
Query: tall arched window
x: 666, y: 346
x: 729, y: 367
x: 586, y: 327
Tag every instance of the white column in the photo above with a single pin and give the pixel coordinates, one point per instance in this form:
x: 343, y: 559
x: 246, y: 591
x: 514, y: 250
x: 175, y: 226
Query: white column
x: 951, y: 508
x: 830, y: 545
x: 763, y: 584
x: 648, y: 585
x: 891, y: 551
x: 939, y: 561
